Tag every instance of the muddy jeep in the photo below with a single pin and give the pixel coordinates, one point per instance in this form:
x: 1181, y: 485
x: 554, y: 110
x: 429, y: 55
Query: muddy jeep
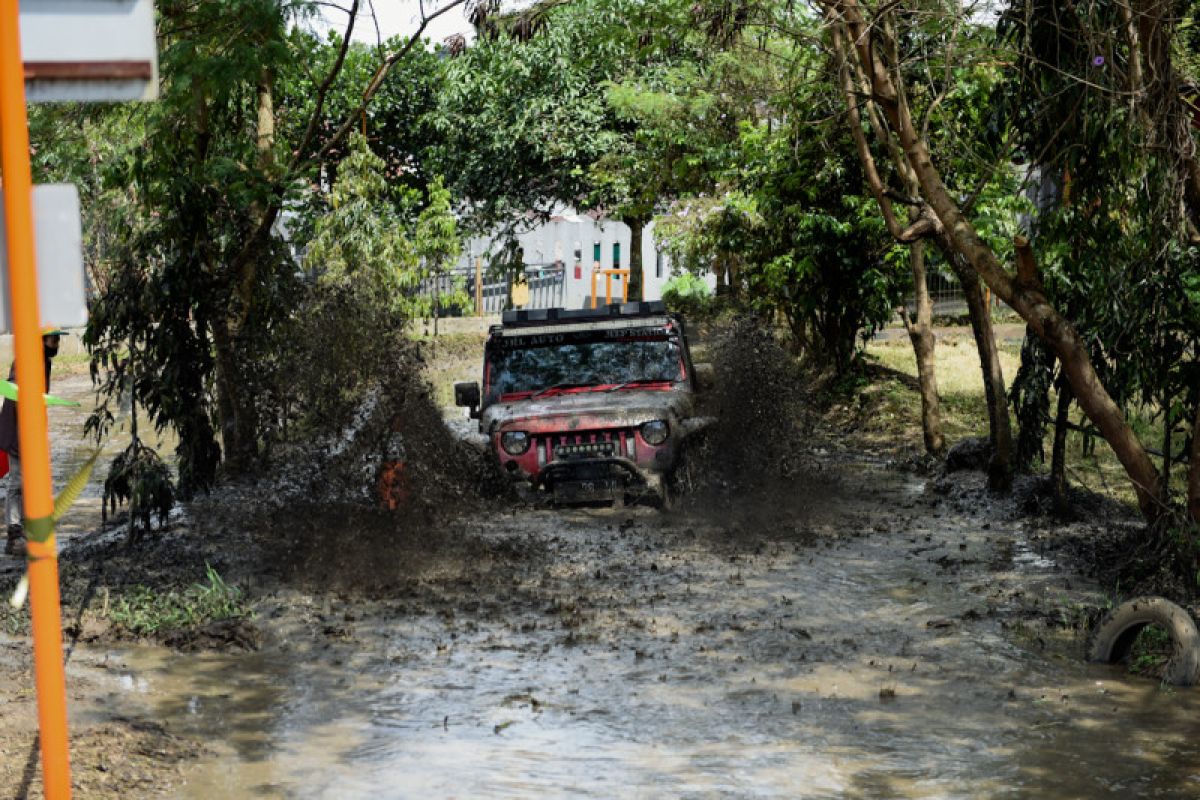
x: 588, y: 405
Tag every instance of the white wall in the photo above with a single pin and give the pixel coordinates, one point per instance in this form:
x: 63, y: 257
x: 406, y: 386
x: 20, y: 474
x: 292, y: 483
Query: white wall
x: 567, y: 232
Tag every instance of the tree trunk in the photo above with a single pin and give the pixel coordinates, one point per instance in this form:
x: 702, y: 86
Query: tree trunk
x: 246, y: 269
x: 1194, y: 470
x: 924, y: 343
x: 234, y: 406
x: 636, y: 273
x: 1166, y: 447
x: 999, y: 427
x: 1025, y: 298
x: 265, y: 144
x: 1058, y: 458
x: 131, y: 532
x: 722, y: 288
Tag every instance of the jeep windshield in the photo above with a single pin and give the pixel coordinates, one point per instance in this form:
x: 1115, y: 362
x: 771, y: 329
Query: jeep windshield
x: 518, y: 372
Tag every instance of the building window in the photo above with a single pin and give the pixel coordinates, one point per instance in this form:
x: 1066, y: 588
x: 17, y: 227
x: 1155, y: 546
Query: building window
x: 658, y: 263
x: 616, y: 255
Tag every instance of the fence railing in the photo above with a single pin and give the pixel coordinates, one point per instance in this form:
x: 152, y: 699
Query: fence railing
x: 545, y: 285
x: 945, y: 293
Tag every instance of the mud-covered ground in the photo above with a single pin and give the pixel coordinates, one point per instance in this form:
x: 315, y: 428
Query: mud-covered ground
x: 817, y: 620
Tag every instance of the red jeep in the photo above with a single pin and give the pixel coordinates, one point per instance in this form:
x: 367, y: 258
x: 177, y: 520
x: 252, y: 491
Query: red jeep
x: 588, y: 405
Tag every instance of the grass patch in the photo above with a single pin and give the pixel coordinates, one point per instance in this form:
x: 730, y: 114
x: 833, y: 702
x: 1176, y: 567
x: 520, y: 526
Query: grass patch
x: 144, y: 612
x: 450, y: 358
x: 71, y: 364
x: 891, y: 408
x: 884, y: 410
x: 1150, y: 651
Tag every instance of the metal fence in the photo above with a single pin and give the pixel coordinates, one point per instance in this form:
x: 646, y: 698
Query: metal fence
x: 945, y: 293
x: 546, y: 288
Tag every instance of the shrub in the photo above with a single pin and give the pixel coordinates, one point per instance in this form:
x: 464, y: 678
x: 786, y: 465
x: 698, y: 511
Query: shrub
x: 689, y: 295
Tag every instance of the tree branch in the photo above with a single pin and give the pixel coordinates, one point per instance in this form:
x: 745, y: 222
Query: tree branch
x: 380, y: 75
x: 323, y: 91
x: 860, y: 140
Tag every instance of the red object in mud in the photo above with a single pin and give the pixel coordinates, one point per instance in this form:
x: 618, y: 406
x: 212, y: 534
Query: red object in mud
x: 588, y: 405
x: 393, y: 485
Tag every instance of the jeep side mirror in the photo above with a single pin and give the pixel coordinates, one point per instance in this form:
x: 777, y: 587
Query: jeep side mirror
x: 467, y: 395
x: 704, y: 377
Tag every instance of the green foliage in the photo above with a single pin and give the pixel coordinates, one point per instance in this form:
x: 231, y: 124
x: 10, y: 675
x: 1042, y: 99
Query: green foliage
x: 360, y: 244
x: 191, y: 260
x: 606, y: 106
x: 194, y: 178
x: 1150, y: 651
x: 1109, y: 232
x: 795, y: 231
x: 144, y: 612
x: 138, y: 476
x: 689, y: 295
x: 437, y: 244
x: 518, y: 122
x: 1030, y: 398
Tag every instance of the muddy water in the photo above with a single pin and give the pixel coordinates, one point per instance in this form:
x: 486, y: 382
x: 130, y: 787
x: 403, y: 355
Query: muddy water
x: 806, y: 650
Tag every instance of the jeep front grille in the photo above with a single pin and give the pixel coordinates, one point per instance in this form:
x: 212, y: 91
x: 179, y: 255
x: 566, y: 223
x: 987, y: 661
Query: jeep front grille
x: 585, y: 444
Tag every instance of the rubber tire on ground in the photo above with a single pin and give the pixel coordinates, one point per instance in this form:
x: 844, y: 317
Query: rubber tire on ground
x: 1115, y: 634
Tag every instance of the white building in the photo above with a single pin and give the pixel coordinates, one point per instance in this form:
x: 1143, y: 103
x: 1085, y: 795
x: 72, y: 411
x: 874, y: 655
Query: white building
x: 576, y: 242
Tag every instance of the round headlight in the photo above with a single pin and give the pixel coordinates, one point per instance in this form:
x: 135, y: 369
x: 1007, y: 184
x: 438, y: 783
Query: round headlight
x: 655, y: 431
x: 514, y: 442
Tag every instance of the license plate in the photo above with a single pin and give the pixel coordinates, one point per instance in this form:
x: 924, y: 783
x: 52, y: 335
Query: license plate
x: 597, y: 489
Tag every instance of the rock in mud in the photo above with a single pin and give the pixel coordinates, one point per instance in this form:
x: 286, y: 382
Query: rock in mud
x: 969, y: 454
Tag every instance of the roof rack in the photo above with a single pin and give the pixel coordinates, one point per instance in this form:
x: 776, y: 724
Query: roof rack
x: 541, y: 316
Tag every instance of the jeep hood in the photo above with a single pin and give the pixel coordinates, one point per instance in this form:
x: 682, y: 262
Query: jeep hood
x: 589, y: 410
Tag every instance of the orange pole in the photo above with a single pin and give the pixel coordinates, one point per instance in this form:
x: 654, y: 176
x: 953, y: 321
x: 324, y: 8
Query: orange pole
x: 595, y: 274
x: 608, y: 288
x: 34, y: 440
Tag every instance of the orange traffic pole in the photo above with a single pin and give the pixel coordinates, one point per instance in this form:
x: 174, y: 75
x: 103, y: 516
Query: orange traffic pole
x: 31, y: 422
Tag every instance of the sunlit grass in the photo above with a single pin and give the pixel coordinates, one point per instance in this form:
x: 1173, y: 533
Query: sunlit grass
x: 964, y: 411
x: 451, y: 358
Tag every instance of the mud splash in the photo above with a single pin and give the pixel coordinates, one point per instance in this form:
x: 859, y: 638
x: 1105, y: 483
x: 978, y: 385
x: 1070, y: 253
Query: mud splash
x: 899, y: 649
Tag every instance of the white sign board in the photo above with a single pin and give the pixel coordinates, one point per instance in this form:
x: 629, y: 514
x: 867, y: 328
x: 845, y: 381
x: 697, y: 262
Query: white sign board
x: 58, y: 243
x: 88, y: 50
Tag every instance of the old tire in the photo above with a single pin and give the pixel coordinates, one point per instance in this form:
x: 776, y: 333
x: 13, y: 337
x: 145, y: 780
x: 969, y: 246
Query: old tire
x: 1116, y: 633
